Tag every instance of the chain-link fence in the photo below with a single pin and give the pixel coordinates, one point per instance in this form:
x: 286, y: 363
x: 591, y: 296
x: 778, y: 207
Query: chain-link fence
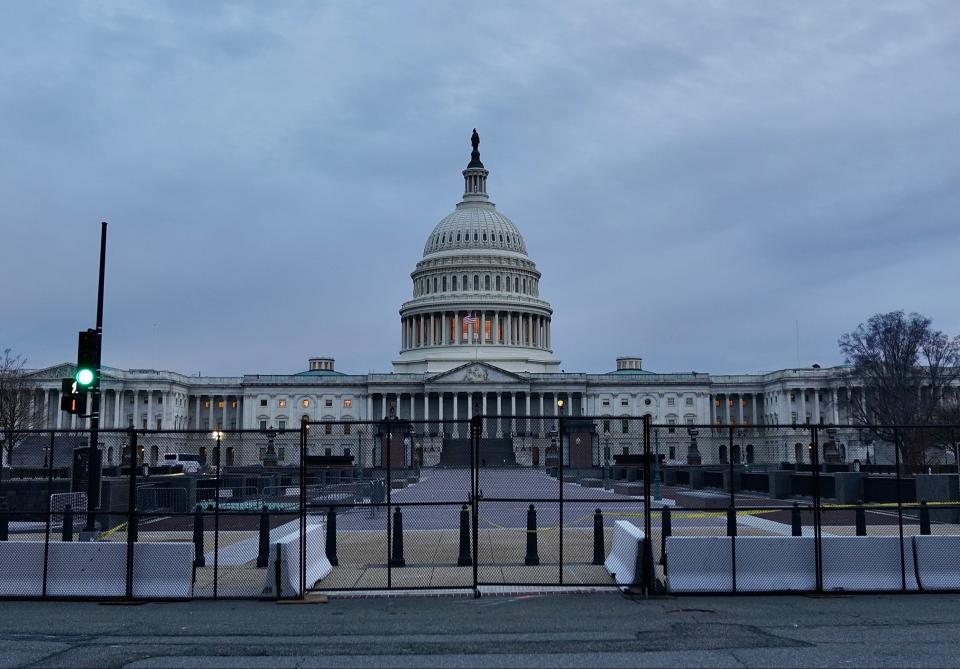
x: 481, y: 504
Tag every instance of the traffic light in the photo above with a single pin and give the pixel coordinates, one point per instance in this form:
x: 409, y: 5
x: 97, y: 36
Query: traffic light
x: 72, y: 400
x: 88, y: 359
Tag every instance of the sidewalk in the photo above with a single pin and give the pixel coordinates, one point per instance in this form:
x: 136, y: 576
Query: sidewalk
x: 595, y: 629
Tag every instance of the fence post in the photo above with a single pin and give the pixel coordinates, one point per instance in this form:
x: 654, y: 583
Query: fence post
x: 396, y: 558
x: 795, y: 522
x: 131, y: 511
x: 331, y: 545
x: 817, y: 517
x: 598, y: 552
x: 860, y: 518
x: 475, y: 433
x: 463, y: 560
x: 302, y: 510
x: 731, y: 521
x: 647, y: 545
x: 263, y: 547
x: 924, y: 517
x: 896, y: 454
x: 532, y: 557
x: 67, y: 532
x: 732, y: 512
x: 216, y: 517
x: 4, y: 521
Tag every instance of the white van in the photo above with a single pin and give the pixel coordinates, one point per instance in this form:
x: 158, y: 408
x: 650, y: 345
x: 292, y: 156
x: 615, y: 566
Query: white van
x: 189, y: 461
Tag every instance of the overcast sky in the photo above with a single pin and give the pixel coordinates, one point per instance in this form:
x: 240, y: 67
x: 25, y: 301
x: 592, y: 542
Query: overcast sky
x: 693, y: 179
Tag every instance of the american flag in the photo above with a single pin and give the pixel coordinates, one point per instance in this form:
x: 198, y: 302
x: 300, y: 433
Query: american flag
x: 470, y: 320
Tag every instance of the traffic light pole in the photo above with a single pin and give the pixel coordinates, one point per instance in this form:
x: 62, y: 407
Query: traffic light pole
x: 93, y: 467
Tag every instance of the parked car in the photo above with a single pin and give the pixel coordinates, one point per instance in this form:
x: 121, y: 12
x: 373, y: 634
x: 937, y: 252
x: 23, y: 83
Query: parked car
x: 189, y: 461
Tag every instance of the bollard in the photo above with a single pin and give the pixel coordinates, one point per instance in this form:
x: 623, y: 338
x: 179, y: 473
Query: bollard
x: 263, y: 548
x: 924, y: 517
x: 464, y: 560
x: 599, y: 556
x: 731, y: 522
x: 666, y: 530
x: 133, y: 529
x: 795, y: 522
x: 4, y: 521
x: 396, y: 559
x: 198, y: 559
x: 67, y: 534
x: 332, y: 536
x: 533, y: 557
x: 861, y: 519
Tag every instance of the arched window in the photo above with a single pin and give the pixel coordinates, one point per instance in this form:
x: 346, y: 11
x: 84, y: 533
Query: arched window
x: 722, y: 453
x: 484, y: 236
x: 498, y: 282
x: 486, y: 282
x: 434, y: 284
x: 154, y: 456
x: 454, y: 279
x: 444, y: 283
x: 507, y: 283
x: 524, y: 285
x: 516, y: 284
x: 798, y: 453
x: 749, y: 454
x: 476, y: 237
x: 458, y: 236
x: 476, y: 282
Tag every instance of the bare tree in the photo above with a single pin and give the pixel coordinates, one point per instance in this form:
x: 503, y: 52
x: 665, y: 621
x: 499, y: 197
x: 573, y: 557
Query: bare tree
x: 18, y: 411
x: 907, y: 371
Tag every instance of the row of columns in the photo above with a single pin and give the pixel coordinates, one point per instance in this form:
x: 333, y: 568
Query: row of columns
x: 506, y: 328
x: 823, y: 406
x: 113, y: 413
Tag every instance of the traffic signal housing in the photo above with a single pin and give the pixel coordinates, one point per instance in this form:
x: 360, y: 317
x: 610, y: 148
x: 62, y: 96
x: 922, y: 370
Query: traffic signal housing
x: 88, y: 359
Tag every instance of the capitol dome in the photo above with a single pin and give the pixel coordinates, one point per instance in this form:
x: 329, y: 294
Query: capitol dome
x: 476, y: 293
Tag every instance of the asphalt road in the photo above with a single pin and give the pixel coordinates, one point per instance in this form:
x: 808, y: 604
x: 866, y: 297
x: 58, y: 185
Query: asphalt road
x: 595, y: 630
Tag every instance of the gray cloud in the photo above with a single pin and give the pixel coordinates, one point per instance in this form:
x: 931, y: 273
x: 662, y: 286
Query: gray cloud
x: 693, y: 179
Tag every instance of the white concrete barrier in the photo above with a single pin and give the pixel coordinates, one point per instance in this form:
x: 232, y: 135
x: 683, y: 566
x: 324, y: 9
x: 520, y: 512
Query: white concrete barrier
x: 699, y: 564
x: 96, y: 569
x: 21, y: 568
x: 287, y: 551
x: 163, y: 570
x: 622, y: 563
x: 938, y: 561
x: 776, y: 564
x: 866, y: 563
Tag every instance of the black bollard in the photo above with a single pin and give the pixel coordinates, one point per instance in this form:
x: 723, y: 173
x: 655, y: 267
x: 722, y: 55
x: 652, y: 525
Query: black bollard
x: 795, y: 522
x: 731, y: 522
x: 133, y: 528
x: 67, y: 534
x: 666, y: 530
x: 533, y: 557
x: 464, y: 559
x: 860, y: 517
x: 332, y: 536
x: 263, y: 548
x: 599, y: 556
x: 198, y: 559
x: 924, y: 517
x: 4, y: 521
x: 396, y: 559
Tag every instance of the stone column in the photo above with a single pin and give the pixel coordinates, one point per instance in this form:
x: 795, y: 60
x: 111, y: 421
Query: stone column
x: 59, y: 420
x: 136, y: 409
x: 426, y: 406
x: 456, y: 414
x: 803, y: 406
x: 118, y: 402
x: 753, y: 408
x: 740, y: 410
x: 226, y: 403
x: 835, y: 413
x: 433, y: 329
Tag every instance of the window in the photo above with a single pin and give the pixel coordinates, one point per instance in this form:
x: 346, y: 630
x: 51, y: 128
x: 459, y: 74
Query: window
x: 716, y: 402
x: 159, y: 424
x: 328, y: 403
x: 263, y: 425
x: 434, y: 284
x: 282, y: 404
x: 624, y: 403
x: 476, y: 282
x: 730, y: 403
x: 486, y: 282
x: 327, y: 428
x: 605, y: 403
x: 282, y: 425
x: 498, y: 282
x: 206, y: 404
x: 347, y: 404
x: 624, y: 425
x: 454, y: 280
x: 444, y: 284
x: 233, y: 404
x: 673, y: 453
x: 305, y: 404
x: 671, y: 401
x: 689, y: 401
x: 346, y: 428
x: 606, y: 425
x: 516, y: 284
x: 263, y: 403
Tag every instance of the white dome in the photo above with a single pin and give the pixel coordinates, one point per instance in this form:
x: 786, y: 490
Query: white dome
x: 475, y: 225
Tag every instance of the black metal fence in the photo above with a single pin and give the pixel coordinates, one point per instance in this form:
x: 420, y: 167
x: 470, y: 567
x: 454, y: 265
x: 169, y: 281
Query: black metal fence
x: 490, y: 502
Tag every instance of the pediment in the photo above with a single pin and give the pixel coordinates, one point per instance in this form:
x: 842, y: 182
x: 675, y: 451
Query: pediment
x: 476, y: 372
x: 61, y: 371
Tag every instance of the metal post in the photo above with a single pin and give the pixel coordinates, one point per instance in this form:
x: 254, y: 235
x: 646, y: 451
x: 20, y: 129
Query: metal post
x: 924, y: 517
x: 198, y: 558
x: 732, y: 511
x: 131, y: 513
x: 647, y: 557
x: 331, y: 536
x: 396, y: 558
x: 216, y: 517
x: 656, y: 465
x: 263, y: 543
x: 532, y: 557
x: 817, y: 508
x: 463, y: 560
x: 93, y: 468
x: 474, y: 496
x: 302, y: 510
x: 389, y: 485
x: 796, y: 525
x: 560, y: 432
x: 896, y: 455
x: 860, y: 519
x: 666, y: 530
x: 46, y: 537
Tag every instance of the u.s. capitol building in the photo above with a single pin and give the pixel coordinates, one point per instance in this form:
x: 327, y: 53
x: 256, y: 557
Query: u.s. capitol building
x: 475, y: 337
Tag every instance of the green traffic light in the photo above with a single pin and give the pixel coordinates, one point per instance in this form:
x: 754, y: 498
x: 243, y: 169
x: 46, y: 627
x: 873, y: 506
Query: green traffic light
x: 84, y: 377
